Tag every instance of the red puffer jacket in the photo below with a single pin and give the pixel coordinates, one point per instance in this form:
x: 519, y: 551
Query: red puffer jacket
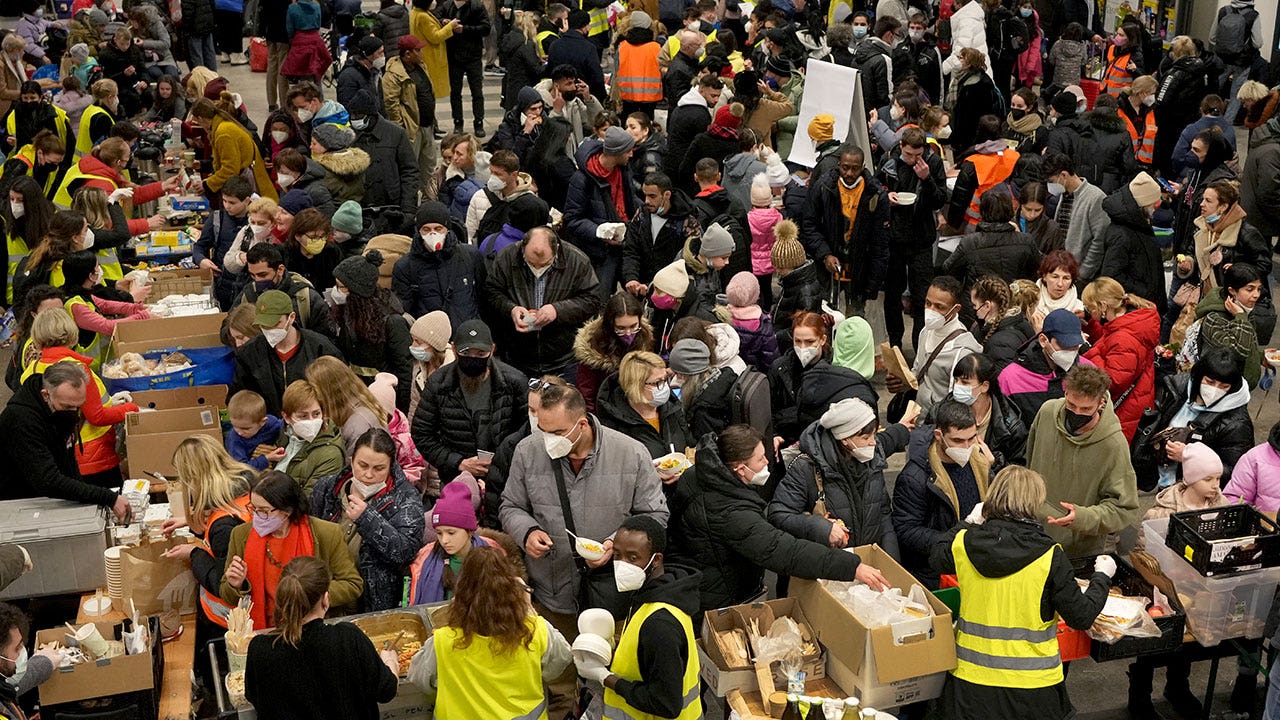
x: 308, y: 55
x: 1126, y: 349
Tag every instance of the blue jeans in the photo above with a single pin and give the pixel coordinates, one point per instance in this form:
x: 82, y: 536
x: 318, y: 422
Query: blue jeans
x: 201, y: 51
x: 1239, y: 75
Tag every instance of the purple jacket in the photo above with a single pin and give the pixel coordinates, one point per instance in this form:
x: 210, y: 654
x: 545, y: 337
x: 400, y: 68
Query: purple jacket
x: 1256, y: 477
x: 241, y: 448
x: 31, y: 29
x: 428, y: 572
x: 757, y: 348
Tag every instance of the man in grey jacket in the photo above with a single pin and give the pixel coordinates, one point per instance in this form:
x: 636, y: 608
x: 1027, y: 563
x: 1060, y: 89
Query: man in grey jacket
x: 1079, y: 213
x: 607, y: 478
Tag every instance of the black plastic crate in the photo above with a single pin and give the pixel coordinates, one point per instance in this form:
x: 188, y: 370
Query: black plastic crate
x: 1234, y: 538
x: 1128, y: 581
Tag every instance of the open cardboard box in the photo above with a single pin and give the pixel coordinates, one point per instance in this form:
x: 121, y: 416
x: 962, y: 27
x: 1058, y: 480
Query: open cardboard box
x: 151, y: 438
x: 175, y: 333
x: 214, y: 396
x: 890, y: 666
x: 724, y: 674
x: 182, y: 281
x: 112, y: 676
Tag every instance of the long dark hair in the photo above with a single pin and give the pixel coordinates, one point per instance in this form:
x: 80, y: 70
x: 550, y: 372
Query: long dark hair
x: 26, y: 306
x: 303, y: 582
x: 59, y: 239
x: 37, y: 212
x: 550, y: 145
x: 606, y: 342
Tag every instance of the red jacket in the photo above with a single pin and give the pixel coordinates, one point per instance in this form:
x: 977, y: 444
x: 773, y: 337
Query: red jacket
x: 308, y: 55
x: 141, y: 193
x: 1126, y: 349
x: 98, y: 454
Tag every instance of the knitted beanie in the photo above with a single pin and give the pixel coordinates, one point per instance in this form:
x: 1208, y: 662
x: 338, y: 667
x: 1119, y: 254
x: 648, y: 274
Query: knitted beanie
x: 455, y: 508
x: 349, y: 218
x: 788, y: 253
x: 360, y: 273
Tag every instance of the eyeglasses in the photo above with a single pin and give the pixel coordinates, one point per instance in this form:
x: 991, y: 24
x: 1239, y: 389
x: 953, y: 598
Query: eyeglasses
x: 259, y: 510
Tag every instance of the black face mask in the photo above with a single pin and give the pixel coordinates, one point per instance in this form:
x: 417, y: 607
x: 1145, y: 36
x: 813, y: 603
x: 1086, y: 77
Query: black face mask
x: 1017, y: 113
x: 65, y: 418
x: 472, y: 366
x: 569, y: 96
x: 1075, y: 421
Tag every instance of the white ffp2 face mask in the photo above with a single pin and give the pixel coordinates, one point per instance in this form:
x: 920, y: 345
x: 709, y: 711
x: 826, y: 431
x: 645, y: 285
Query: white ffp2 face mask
x: 1064, y: 359
x: 807, y: 355
x: 628, y: 577
x: 274, y: 336
x: 1210, y: 394
x: 863, y: 454
x: 960, y: 456
x: 307, y: 429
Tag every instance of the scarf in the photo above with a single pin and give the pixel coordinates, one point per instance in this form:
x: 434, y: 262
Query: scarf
x: 1069, y: 301
x: 429, y: 587
x: 1210, y: 238
x: 264, y: 570
x: 1027, y: 125
x: 614, y: 177
x: 978, y: 462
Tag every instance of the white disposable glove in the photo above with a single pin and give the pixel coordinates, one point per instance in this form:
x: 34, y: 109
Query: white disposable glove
x: 124, y: 192
x: 591, y: 668
x: 146, y: 410
x: 975, y: 515
x: 1106, y: 565
x: 123, y: 396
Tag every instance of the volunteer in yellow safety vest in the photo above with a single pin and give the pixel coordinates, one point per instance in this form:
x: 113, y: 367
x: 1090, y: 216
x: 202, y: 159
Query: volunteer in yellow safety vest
x: 83, y: 275
x: 26, y: 218
x: 216, y: 488
x: 654, y: 672
x: 20, y: 672
x: 490, y: 654
x: 31, y: 114
x: 67, y: 233
x: 55, y: 332
x: 1015, y: 583
x: 97, y: 120
x: 44, y: 159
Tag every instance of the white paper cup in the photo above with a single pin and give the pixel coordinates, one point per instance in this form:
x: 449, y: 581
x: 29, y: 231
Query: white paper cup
x: 91, y: 640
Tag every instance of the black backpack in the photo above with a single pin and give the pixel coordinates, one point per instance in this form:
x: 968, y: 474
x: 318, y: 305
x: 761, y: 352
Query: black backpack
x: 1233, y: 37
x: 1012, y: 35
x: 750, y: 399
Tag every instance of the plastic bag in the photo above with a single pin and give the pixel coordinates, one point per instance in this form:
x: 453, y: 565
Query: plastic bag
x: 1123, y: 616
x: 782, y: 639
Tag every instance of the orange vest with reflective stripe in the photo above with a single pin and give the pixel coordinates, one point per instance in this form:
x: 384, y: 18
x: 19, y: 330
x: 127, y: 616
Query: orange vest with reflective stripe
x: 638, y: 78
x: 1118, y: 76
x: 214, y: 608
x: 1144, y: 144
x: 992, y: 170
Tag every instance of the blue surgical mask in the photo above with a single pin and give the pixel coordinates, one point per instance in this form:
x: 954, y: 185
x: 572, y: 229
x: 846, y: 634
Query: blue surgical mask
x: 1211, y: 219
x: 264, y: 285
x: 1025, y: 12
x: 772, y: 83
x: 859, y: 31
x: 963, y: 393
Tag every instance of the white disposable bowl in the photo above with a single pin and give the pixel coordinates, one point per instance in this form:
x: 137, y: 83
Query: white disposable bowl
x: 906, y: 198
x: 587, y: 553
x: 595, y: 646
x: 596, y: 621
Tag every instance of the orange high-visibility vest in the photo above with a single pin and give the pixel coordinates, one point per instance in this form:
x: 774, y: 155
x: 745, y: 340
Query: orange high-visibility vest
x: 992, y: 170
x: 214, y: 607
x: 1118, y: 76
x: 1144, y: 144
x: 639, y: 79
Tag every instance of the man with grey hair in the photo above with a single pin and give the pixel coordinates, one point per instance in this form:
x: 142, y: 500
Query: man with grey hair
x: 38, y: 447
x: 683, y: 68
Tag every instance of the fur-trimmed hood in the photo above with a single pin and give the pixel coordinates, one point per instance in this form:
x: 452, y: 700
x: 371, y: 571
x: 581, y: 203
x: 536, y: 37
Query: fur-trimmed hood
x: 1106, y: 120
x: 344, y: 163
x: 588, y: 355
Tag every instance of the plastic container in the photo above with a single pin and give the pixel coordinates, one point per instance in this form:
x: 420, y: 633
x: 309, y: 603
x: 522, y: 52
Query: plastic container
x: 65, y: 540
x: 1219, y: 607
x: 1223, y: 540
x: 1127, y: 580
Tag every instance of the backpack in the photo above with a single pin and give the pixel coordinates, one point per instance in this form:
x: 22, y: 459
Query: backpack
x: 1233, y: 37
x: 55, y: 42
x: 750, y: 392
x: 1013, y: 35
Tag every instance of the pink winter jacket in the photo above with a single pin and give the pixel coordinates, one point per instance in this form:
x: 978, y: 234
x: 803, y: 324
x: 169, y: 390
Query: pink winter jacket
x: 407, y: 454
x: 762, y: 221
x: 1256, y: 479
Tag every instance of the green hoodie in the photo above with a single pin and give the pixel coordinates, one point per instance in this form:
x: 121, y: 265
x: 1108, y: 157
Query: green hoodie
x: 1219, y: 328
x: 1091, y: 471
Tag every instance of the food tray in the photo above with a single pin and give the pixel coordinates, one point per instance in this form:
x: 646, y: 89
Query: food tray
x: 1172, y: 627
x: 1235, y: 538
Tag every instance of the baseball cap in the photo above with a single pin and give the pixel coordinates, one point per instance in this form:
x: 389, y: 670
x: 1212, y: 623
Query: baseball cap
x: 1063, y: 325
x: 272, y: 305
x: 411, y: 42
x: 473, y: 335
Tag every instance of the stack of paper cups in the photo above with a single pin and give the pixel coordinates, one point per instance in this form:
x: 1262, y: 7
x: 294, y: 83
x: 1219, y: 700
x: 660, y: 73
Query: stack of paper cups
x: 115, y: 577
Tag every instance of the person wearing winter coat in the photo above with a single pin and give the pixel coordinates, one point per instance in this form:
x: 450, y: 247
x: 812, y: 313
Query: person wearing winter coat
x: 434, y: 32
x: 464, y: 49
x: 989, y: 163
x: 975, y: 95
x: 690, y: 116
x: 32, y: 26
x: 519, y: 52
x: 834, y: 492
x: 371, y: 336
x: 657, y: 233
x: 146, y: 24
x: 313, y: 444
x: 1255, y: 479
x: 706, y: 391
x: 1225, y: 320
x: 857, y: 245
x: 1130, y: 255
x: 1002, y: 553
x: 638, y: 401
x: 758, y: 341
x: 392, y: 176
x: 1036, y: 374
x: 1212, y: 401
x: 1024, y: 125
x: 968, y: 30
x: 797, y: 278
x: 721, y: 528
x: 371, y: 499
x: 1260, y: 179
x: 974, y: 382
x: 344, y: 165
x: 1002, y: 326
x: 1177, y: 100
x: 268, y: 368
x: 200, y: 23
x: 742, y: 168
x: 789, y: 376
x: 308, y: 56
x: 1211, y: 109
x: 1077, y: 445
x: 521, y: 125
x: 360, y: 79
x: 718, y: 141
x: 946, y: 475
x: 234, y: 150
x: 391, y: 24
x: 996, y: 248
x: 1068, y: 55
x: 600, y: 201
x: 1105, y: 155
x: 440, y: 272
x: 541, y: 269
x: 873, y: 58
x: 603, y: 341
x: 1124, y: 329
x: 918, y: 59
x: 651, y: 148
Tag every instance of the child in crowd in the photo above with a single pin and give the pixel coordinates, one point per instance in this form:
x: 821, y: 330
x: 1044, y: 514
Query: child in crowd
x: 252, y: 427
x: 762, y: 218
x: 73, y: 99
x: 1199, y: 489
x: 1256, y: 477
x: 313, y: 443
x: 410, y: 460
x: 435, y: 570
x: 758, y: 346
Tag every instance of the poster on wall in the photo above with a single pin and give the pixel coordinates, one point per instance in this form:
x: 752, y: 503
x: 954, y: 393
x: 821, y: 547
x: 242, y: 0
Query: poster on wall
x: 835, y: 90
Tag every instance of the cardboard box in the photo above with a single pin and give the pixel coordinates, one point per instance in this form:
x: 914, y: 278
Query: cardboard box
x: 889, y: 666
x: 722, y: 682
x: 113, y: 676
x: 151, y: 438
x: 197, y: 331
x: 194, y: 281
x: 724, y: 674
x: 214, y: 396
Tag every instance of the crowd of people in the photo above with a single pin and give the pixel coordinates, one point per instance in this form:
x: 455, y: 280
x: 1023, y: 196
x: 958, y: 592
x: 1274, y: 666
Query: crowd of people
x: 615, y: 355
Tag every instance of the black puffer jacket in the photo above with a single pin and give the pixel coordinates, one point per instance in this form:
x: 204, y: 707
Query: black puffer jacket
x: 520, y: 60
x: 643, y: 255
x: 1003, y: 342
x: 647, y: 158
x: 392, y: 24
x: 1066, y: 135
x: 588, y: 203
x: 801, y: 292
x: 718, y: 524
x: 466, y: 44
x: 914, y: 227
x: 874, y: 60
x: 800, y: 395
x: 715, y: 205
x: 1104, y: 156
x: 1182, y: 87
x: 197, y: 17
x: 614, y: 411
x: 392, y: 177
x: 452, y: 280
x: 712, y: 410
x: 995, y: 249
x: 447, y: 431
x: 1229, y: 433
x: 684, y: 122
x: 1130, y: 255
x: 390, y: 532
x: 357, y: 86
x: 703, y: 145
x: 855, y: 491
x: 824, y: 231
x: 312, y: 183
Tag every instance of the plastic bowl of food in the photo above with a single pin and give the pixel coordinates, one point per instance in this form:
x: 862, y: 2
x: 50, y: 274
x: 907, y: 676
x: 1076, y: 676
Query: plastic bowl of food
x: 1273, y: 356
x: 593, y: 646
x: 672, y: 464
x: 235, y: 689
x: 589, y: 549
x: 906, y: 198
x: 596, y: 621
